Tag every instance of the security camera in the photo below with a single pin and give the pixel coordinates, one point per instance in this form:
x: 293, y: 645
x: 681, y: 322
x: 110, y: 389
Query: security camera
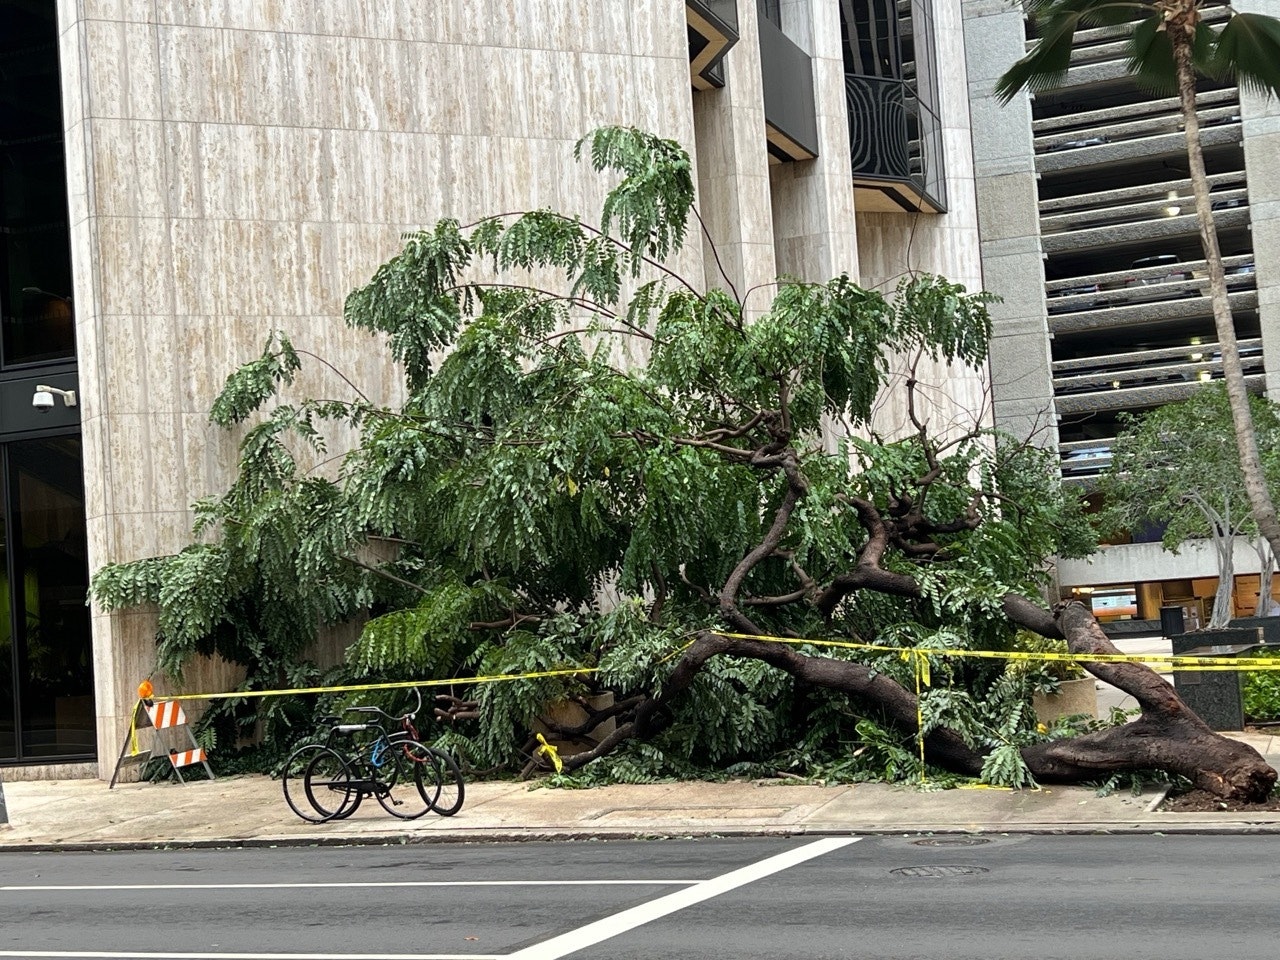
x: 42, y: 399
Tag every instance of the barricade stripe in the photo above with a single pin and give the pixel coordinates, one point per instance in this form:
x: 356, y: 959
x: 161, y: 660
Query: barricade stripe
x: 185, y: 758
x: 165, y: 714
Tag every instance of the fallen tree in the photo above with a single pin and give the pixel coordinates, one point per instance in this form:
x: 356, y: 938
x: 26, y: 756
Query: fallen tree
x: 656, y: 487
x: 1166, y: 735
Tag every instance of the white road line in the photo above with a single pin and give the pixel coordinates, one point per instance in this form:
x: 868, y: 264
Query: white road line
x: 15, y: 888
x: 135, y: 955
x: 608, y: 927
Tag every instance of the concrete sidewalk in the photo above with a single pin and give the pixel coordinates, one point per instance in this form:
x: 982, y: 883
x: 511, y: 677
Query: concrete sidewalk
x: 250, y: 810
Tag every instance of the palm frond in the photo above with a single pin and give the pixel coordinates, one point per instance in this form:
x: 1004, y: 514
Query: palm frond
x: 1044, y: 67
x: 1248, y: 49
x: 1150, y: 55
x: 1057, y: 22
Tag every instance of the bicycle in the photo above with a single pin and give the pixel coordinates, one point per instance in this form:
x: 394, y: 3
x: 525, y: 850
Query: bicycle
x: 406, y: 777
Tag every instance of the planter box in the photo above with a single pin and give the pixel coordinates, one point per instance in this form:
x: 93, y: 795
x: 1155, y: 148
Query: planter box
x: 1073, y: 697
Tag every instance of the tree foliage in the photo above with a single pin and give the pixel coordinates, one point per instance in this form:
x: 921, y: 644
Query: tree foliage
x: 1168, y: 461
x: 1176, y: 467
x: 598, y: 464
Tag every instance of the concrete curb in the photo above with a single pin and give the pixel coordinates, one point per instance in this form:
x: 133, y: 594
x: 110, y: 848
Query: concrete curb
x: 545, y: 835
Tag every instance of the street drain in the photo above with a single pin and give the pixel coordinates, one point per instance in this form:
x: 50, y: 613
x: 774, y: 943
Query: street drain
x: 934, y: 871
x: 951, y: 841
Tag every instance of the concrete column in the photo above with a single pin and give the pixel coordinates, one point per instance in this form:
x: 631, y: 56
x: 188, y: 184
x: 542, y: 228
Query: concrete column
x: 1009, y: 225
x: 895, y: 245
x: 733, y: 172
x: 239, y: 168
x: 1260, y: 122
x: 815, y: 235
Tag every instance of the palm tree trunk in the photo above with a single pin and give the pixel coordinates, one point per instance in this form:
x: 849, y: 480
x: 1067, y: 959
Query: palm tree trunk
x: 1264, y: 510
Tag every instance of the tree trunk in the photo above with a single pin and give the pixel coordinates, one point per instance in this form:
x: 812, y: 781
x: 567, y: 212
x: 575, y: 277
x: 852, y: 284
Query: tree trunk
x: 1167, y: 736
x: 1225, y: 544
x: 1181, y: 30
x: 1266, y: 564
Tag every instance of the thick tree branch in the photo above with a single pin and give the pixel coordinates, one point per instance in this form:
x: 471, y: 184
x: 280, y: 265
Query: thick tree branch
x: 781, y: 600
x: 728, y: 597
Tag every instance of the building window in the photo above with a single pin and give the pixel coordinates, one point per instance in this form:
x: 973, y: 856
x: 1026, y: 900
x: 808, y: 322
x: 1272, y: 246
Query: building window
x: 895, y: 132
x: 46, y: 657
x: 38, y: 323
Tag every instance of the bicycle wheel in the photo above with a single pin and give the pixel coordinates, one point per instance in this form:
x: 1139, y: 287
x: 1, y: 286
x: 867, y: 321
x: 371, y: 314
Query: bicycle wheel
x: 358, y: 787
x: 328, y: 786
x: 293, y: 779
x: 448, y: 799
x: 403, y: 782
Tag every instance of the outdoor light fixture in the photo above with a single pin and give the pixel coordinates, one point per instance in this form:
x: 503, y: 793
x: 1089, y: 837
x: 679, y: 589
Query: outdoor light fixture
x: 1197, y: 356
x: 1206, y: 375
x: 42, y: 399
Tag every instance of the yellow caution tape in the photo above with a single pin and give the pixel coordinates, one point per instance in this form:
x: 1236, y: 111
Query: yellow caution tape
x: 1162, y: 659
x: 551, y: 752
x: 398, y: 685
x: 917, y: 656
x: 920, y: 661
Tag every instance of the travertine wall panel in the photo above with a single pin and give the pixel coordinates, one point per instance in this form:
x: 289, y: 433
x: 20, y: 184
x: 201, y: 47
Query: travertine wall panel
x: 733, y: 172
x: 813, y: 220
x: 236, y: 167
x: 891, y: 246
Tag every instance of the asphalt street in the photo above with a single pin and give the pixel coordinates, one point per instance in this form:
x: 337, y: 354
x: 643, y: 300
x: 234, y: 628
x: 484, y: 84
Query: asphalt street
x: 878, y: 897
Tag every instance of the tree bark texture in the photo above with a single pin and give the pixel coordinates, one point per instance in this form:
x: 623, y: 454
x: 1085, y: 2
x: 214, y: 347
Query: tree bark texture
x: 1166, y: 736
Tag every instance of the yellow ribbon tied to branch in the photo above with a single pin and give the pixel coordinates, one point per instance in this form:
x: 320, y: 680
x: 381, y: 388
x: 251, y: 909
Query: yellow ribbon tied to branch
x: 550, y: 752
x: 920, y: 661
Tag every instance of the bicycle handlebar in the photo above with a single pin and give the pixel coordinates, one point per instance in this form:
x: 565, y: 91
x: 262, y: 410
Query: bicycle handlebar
x: 402, y: 717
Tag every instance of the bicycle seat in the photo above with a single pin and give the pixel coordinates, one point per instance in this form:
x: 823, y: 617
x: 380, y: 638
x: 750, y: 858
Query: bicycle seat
x: 362, y: 710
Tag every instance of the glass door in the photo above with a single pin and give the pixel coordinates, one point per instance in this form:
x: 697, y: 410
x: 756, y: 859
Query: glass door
x: 46, y: 662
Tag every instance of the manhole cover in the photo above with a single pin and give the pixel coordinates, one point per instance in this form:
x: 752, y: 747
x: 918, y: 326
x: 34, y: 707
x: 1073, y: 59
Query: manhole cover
x: 937, y: 871
x: 951, y: 841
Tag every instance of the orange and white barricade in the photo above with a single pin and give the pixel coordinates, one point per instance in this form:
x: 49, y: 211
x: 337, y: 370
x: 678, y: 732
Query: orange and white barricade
x: 160, y: 716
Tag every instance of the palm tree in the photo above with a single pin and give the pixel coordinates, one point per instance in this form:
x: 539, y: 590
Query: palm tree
x: 1169, y: 45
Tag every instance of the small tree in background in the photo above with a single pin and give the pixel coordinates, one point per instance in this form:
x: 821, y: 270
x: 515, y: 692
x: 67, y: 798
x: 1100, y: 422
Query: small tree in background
x: 1169, y: 46
x: 1178, y: 466
x: 671, y: 521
